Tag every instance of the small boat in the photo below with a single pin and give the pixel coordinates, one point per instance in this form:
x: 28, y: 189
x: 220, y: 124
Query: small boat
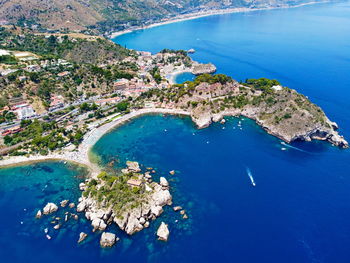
x: 251, y: 177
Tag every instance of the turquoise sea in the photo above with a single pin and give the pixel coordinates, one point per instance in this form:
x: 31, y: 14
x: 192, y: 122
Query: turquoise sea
x: 299, y: 210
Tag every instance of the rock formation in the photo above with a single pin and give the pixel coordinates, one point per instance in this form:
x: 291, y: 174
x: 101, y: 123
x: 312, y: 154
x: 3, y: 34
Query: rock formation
x: 50, y: 208
x: 282, y: 112
x: 163, y: 232
x: 82, y: 237
x: 108, y: 239
x: 148, y: 201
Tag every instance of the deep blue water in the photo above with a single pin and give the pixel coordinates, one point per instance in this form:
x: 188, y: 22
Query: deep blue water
x: 305, y: 48
x: 299, y: 210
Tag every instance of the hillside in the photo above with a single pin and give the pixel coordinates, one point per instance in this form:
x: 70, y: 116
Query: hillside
x: 111, y: 15
x: 281, y: 111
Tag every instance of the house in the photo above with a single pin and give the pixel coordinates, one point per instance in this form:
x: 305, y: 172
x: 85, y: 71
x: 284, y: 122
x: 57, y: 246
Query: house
x: 108, y: 101
x: 25, y: 112
x: 134, y: 182
x: 63, y: 74
x: 6, y: 72
x: 12, y: 130
x: 56, y: 102
x: 121, y: 84
x: 22, y: 78
x: 4, y: 52
x: 33, y: 68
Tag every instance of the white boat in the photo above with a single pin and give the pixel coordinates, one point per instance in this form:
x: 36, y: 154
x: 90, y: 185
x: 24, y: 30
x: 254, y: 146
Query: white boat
x: 251, y: 177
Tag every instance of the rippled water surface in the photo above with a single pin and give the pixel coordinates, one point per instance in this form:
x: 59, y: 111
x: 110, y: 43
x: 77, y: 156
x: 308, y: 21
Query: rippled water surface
x: 299, y: 210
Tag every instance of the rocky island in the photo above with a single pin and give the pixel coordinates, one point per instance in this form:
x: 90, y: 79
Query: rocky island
x: 130, y: 199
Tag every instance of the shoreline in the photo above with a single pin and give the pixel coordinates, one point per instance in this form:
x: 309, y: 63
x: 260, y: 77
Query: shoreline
x: 81, y: 155
x: 196, y: 15
x: 172, y: 77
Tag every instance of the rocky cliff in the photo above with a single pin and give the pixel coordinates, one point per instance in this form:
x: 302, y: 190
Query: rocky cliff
x: 281, y: 111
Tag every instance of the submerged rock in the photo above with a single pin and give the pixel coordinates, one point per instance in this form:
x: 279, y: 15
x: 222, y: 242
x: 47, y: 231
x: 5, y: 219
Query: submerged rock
x: 50, y: 208
x: 108, y: 239
x: 82, y: 237
x: 163, y: 232
x: 71, y: 205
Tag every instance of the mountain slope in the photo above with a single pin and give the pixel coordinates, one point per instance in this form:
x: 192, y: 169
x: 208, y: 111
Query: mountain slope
x: 106, y: 15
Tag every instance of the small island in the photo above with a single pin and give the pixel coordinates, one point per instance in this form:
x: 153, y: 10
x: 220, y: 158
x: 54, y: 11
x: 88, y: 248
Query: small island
x: 130, y: 199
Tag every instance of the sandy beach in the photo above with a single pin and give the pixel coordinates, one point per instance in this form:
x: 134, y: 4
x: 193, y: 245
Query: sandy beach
x: 197, y: 15
x: 81, y: 155
x: 172, y: 76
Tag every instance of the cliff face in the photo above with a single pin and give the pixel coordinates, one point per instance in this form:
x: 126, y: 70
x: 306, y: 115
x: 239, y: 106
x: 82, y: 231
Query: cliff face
x: 106, y: 15
x: 281, y: 111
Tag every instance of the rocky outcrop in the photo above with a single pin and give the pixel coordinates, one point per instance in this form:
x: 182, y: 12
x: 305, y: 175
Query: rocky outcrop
x: 134, y: 216
x: 108, y: 239
x: 306, y: 132
x: 38, y: 214
x: 81, y: 207
x: 133, y: 167
x: 82, y: 237
x: 163, y: 182
x: 282, y: 112
x: 163, y: 232
x: 177, y: 208
x: 64, y: 203
x: 50, y: 208
x: 198, y: 69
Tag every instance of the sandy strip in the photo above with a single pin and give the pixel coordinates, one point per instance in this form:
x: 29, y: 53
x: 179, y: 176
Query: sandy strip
x: 197, y: 15
x: 172, y: 76
x: 81, y: 156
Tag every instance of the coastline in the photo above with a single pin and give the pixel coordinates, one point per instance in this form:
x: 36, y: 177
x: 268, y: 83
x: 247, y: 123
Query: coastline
x: 81, y: 155
x: 172, y: 77
x: 196, y: 15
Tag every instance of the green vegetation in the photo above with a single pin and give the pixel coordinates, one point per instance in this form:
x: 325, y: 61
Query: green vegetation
x: 43, y: 136
x: 115, y: 192
x: 262, y: 84
x: 7, y: 59
x: 77, y: 50
x: 156, y: 74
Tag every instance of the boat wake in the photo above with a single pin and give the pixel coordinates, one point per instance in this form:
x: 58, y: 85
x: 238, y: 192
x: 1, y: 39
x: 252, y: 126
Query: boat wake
x: 292, y: 147
x: 250, y: 176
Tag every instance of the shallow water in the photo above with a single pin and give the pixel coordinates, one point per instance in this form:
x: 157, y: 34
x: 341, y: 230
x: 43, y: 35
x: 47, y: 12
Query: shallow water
x: 186, y: 76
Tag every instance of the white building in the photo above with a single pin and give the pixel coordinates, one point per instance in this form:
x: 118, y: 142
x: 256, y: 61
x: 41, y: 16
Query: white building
x: 4, y: 52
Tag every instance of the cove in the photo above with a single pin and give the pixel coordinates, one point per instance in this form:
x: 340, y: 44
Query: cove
x: 296, y: 213
x: 305, y: 48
